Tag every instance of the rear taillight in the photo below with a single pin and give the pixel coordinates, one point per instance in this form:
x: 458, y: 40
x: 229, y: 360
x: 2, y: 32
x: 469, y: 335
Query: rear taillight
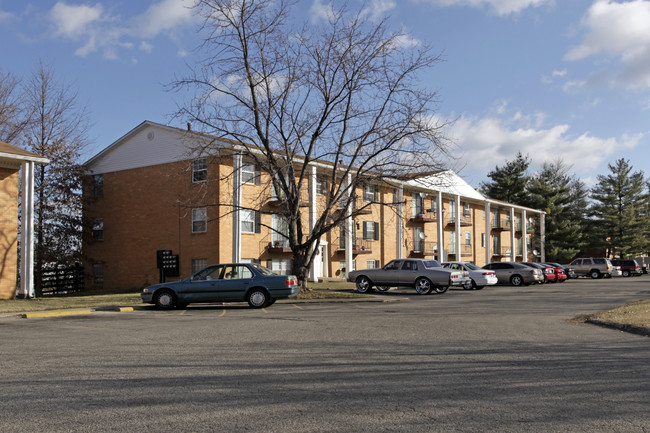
x: 291, y: 282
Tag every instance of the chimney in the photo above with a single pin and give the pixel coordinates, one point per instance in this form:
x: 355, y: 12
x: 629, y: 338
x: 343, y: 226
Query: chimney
x: 189, y: 126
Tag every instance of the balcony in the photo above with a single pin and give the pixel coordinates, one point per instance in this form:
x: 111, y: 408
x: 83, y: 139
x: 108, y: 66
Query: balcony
x: 278, y: 200
x: 424, y: 217
x: 501, y: 251
x: 357, y: 207
x: 279, y: 246
x: 501, y: 225
x: 423, y: 249
x: 359, y: 246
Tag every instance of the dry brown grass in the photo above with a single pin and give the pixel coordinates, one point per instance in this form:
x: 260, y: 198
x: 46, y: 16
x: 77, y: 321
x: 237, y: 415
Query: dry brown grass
x: 635, y: 314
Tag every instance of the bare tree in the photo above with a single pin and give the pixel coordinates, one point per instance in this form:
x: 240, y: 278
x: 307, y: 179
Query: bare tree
x: 346, y: 91
x: 13, y: 117
x: 57, y: 130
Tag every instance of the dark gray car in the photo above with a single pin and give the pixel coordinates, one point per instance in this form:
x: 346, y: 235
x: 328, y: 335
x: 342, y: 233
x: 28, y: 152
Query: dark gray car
x: 424, y: 275
x: 515, y: 273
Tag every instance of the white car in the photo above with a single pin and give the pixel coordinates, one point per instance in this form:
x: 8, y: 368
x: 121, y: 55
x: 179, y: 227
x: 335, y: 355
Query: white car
x: 480, y: 277
x: 616, y: 271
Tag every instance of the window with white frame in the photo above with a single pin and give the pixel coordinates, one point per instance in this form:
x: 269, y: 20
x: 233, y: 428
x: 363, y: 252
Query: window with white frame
x: 417, y: 204
x: 467, y: 209
x: 248, y: 173
x: 280, y: 233
x: 198, y: 264
x: 483, y: 240
x: 370, y: 193
x: 452, y: 242
x: 199, y: 170
x: 249, y: 221
x: 342, y: 267
x: 372, y: 264
x: 370, y: 231
x: 199, y: 220
x: 321, y: 184
x: 452, y: 210
x: 468, y: 238
x: 279, y: 266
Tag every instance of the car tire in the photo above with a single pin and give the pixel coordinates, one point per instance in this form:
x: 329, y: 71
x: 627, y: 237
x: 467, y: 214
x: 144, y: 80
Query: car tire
x: 364, y: 285
x: 516, y: 280
x: 383, y: 288
x: 595, y: 274
x: 165, y: 299
x: 258, y: 298
x: 441, y: 289
x: 423, y: 286
x: 626, y: 273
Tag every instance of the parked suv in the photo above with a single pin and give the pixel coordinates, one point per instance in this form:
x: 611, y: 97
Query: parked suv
x: 628, y: 267
x: 592, y: 267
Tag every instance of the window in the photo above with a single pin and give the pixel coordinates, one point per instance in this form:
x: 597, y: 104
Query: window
x: 370, y: 231
x: 98, y: 274
x: 410, y: 266
x: 418, y: 239
x: 372, y: 264
x: 247, y: 221
x: 467, y: 209
x: 321, y: 184
x: 452, y: 242
x: 199, y: 170
x: 343, y: 234
x: 370, y: 193
x: 342, y: 267
x: 199, y: 220
x: 98, y: 185
x: 237, y: 272
x: 248, y: 174
x: 468, y: 238
x: 280, y: 233
x: 417, y: 207
x: 198, y: 264
x: 98, y: 229
x: 483, y: 238
x: 452, y: 211
x: 279, y: 266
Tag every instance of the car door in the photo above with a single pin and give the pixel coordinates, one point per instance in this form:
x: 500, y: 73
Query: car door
x: 234, y: 283
x: 388, y: 275
x: 202, y: 286
x: 408, y: 273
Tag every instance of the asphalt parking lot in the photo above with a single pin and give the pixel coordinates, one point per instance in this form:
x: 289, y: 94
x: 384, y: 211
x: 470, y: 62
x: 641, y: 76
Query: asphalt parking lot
x: 500, y: 359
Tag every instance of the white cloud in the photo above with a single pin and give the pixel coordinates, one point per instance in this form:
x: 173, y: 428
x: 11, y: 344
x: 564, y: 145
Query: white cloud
x: 96, y: 30
x: 484, y: 143
x: 378, y: 8
x: 620, y: 31
x: 499, y: 7
x: 6, y: 16
x: 320, y: 11
x: 74, y: 21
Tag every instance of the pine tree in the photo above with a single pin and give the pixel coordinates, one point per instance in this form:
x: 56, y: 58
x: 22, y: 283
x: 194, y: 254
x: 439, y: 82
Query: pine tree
x: 563, y: 198
x: 620, y: 211
x: 509, y: 182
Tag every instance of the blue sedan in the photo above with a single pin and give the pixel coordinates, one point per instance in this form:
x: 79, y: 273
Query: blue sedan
x: 234, y: 282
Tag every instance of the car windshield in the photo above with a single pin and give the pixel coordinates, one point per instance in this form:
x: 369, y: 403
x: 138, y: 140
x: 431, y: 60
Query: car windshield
x: 472, y: 267
x: 431, y: 264
x: 262, y: 270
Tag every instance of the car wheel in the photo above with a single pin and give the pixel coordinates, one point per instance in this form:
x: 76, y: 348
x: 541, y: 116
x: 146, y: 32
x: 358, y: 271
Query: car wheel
x: 363, y: 284
x: 423, y: 286
x: 516, y: 280
x: 626, y: 273
x: 441, y: 289
x: 595, y: 274
x: 382, y: 288
x: 164, y: 299
x: 258, y: 298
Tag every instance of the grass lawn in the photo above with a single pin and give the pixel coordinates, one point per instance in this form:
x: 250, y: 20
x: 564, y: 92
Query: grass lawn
x: 635, y: 313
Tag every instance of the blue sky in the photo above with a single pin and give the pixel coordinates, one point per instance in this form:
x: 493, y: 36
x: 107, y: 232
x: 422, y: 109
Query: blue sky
x: 553, y: 79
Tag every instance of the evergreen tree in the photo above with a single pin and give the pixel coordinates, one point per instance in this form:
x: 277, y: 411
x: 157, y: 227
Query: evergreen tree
x: 563, y: 198
x: 620, y: 211
x: 509, y: 182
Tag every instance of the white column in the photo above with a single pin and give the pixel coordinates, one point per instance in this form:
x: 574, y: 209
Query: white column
x: 312, y: 216
x: 488, y: 234
x: 542, y: 235
x: 524, y: 235
x: 441, y: 233
x: 349, y: 228
x: 27, y: 232
x: 236, y: 201
x: 400, y: 222
x: 513, y: 249
x: 457, y: 228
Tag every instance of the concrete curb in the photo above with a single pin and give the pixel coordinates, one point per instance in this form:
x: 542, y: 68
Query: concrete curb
x: 55, y: 313
x: 632, y: 329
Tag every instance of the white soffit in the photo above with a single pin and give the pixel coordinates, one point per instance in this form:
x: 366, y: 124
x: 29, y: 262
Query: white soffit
x: 448, y: 182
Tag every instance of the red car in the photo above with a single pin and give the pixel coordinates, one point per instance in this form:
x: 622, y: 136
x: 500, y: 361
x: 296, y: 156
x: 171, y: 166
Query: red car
x: 560, y: 275
x: 548, y: 271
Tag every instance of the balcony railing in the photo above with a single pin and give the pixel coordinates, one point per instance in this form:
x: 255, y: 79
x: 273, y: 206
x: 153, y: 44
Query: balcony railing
x: 359, y: 246
x: 424, y: 217
x: 501, y: 251
x: 422, y: 248
x: 279, y: 246
x: 501, y: 224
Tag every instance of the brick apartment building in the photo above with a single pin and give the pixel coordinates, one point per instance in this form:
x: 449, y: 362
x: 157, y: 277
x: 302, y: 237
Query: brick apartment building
x: 145, y: 193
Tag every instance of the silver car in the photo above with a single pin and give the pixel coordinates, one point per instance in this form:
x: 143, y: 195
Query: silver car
x: 425, y: 275
x: 514, y: 273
